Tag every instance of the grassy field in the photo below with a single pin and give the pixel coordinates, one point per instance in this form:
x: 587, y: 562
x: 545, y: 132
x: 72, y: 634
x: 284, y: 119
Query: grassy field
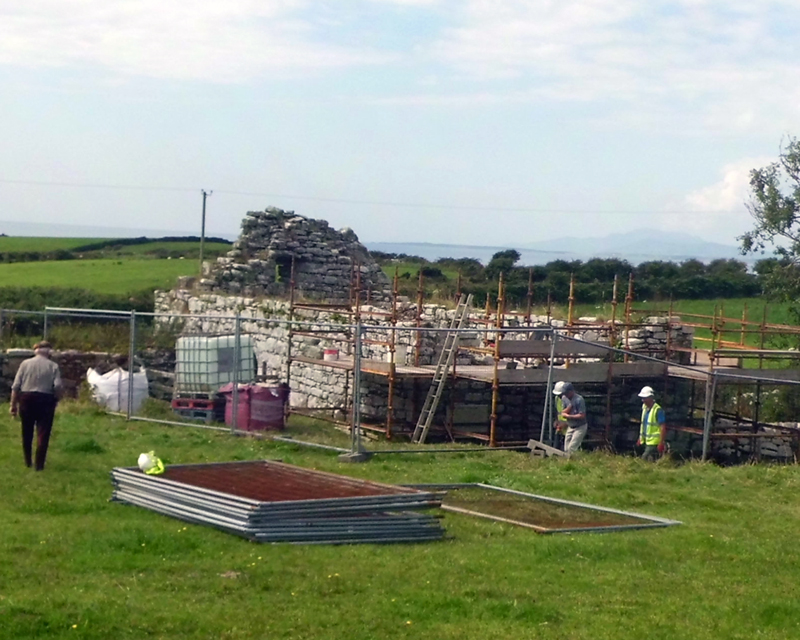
x: 24, y: 244
x: 102, y: 276
x: 73, y: 565
x: 186, y: 248
x: 411, y: 270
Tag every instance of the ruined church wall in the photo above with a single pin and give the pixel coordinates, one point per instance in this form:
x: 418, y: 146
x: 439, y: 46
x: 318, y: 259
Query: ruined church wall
x: 317, y: 387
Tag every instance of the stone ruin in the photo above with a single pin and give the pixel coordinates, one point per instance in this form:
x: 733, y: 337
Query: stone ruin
x: 260, y: 262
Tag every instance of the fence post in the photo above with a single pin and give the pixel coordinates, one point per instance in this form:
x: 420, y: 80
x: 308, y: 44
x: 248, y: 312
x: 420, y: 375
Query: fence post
x: 356, y: 430
x: 237, y: 356
x: 44, y: 329
x: 2, y: 319
x: 708, y: 417
x: 131, y: 351
x: 357, y: 454
x: 547, y: 413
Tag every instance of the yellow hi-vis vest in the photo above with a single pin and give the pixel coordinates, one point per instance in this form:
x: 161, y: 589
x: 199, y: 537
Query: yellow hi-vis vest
x: 650, y: 433
x: 562, y: 425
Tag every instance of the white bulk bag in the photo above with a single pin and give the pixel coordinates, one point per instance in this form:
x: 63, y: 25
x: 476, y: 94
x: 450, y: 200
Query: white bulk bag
x: 110, y: 390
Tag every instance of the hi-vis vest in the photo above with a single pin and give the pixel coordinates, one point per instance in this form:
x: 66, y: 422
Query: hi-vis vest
x: 559, y: 406
x: 650, y: 432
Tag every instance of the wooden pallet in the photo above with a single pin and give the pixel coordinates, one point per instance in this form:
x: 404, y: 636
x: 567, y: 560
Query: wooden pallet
x: 204, y: 404
x: 541, y: 450
x: 201, y: 415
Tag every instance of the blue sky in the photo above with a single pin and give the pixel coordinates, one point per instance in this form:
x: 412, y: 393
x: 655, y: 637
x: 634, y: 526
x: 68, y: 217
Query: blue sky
x: 469, y: 122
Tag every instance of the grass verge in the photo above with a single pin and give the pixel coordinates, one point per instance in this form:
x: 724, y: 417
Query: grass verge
x: 73, y: 565
x: 101, y: 276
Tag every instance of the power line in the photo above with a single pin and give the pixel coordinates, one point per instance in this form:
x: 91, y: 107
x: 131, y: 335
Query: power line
x: 88, y: 185
x: 377, y: 203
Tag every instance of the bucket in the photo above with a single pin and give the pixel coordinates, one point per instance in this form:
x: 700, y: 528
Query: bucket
x: 330, y: 354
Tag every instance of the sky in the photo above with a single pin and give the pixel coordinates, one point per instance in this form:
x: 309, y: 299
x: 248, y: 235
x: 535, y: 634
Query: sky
x: 479, y: 122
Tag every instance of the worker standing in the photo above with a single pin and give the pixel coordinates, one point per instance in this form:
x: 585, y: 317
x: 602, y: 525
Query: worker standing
x: 560, y: 424
x: 574, y: 414
x: 34, y: 395
x: 652, y: 432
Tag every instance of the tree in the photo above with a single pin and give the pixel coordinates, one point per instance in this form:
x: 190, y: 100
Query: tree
x: 502, y: 262
x: 603, y: 270
x: 775, y: 207
x: 692, y: 267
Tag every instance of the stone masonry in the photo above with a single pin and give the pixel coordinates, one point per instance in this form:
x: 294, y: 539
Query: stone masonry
x: 261, y: 259
x: 318, y: 387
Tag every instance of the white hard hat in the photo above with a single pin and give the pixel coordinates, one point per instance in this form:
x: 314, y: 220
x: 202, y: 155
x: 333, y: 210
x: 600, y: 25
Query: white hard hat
x: 647, y: 392
x: 558, y: 388
x: 147, y: 461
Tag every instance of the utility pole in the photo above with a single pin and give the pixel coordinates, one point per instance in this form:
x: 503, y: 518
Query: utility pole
x: 203, y: 227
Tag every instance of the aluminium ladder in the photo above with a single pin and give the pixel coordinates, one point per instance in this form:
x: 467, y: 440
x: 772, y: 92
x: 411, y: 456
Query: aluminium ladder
x: 446, y: 358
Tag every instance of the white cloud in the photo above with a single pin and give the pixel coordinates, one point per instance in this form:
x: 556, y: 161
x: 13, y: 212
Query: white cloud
x: 697, y: 57
x: 209, y: 40
x: 409, y: 3
x: 722, y: 205
x: 730, y: 193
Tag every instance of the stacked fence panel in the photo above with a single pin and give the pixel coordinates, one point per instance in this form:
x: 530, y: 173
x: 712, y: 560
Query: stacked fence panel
x: 270, y: 501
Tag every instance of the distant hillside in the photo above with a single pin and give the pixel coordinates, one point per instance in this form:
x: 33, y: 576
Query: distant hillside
x: 641, y: 245
x: 635, y: 247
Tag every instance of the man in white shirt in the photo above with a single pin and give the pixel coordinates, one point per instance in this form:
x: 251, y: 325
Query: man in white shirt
x: 34, y: 395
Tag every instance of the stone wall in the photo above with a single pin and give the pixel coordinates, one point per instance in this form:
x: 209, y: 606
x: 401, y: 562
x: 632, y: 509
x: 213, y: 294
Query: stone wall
x: 325, y: 259
x: 775, y: 445
x: 318, y: 387
x: 73, y: 365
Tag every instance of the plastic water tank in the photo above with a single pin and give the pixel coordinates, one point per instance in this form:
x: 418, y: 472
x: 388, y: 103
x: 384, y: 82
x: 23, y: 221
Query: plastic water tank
x: 204, y: 363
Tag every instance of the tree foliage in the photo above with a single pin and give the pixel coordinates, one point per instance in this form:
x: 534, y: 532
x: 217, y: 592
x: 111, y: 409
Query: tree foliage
x: 502, y: 262
x: 775, y: 207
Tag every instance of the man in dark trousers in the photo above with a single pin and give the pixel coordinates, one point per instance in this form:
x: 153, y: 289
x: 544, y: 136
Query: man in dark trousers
x: 34, y: 395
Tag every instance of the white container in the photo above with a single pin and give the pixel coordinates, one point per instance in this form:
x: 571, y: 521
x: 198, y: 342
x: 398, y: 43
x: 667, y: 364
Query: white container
x: 399, y: 354
x: 330, y: 354
x: 203, y: 364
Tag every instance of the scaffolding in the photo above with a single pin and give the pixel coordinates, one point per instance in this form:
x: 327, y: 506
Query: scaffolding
x: 495, y: 325
x: 735, y: 355
x: 519, y: 353
x: 728, y: 361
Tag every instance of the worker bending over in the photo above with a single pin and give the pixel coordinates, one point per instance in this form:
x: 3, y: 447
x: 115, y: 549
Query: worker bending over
x: 574, y: 414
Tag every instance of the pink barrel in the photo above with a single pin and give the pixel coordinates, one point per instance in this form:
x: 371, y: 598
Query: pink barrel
x: 260, y: 408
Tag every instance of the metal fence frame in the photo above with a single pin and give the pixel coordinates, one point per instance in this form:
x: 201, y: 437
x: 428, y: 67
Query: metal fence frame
x: 359, y: 328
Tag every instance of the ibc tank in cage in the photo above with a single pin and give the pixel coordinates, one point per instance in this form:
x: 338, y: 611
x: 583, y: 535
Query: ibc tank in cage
x: 204, y: 363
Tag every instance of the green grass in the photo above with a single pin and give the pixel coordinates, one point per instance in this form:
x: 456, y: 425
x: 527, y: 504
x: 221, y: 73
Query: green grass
x: 73, y: 565
x: 185, y: 248
x: 17, y: 244
x: 731, y: 308
x: 102, y: 276
x: 412, y: 268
